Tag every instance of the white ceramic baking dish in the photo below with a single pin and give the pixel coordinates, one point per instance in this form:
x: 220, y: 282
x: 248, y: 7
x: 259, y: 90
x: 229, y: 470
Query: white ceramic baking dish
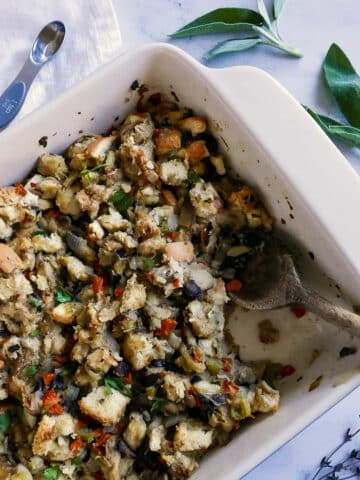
x: 308, y: 186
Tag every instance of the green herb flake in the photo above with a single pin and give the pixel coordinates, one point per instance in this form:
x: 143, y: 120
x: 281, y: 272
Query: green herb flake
x: 5, y: 420
x: 157, y: 404
x: 40, y: 232
x: 150, y: 262
x: 31, y: 371
x: 122, y: 201
x: 52, y: 473
x: 35, y: 333
x: 35, y: 302
x: 77, y: 460
x: 116, y: 383
x: 86, y: 171
x: 63, y: 295
x: 193, y: 177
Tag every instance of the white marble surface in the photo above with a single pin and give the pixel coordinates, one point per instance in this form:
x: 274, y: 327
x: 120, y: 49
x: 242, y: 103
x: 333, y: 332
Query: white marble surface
x: 311, y: 25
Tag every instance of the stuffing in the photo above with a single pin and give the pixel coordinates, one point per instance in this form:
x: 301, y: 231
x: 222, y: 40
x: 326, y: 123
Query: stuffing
x: 266, y: 399
x: 204, y: 199
x: 113, y: 221
x: 175, y: 386
x: 151, y: 246
x: 112, y: 302
x: 54, y: 342
x: 51, y: 165
x: 67, y: 202
x: 101, y: 360
x: 166, y: 140
x: 156, y: 435
x: 197, y: 314
x: 137, y: 149
x: 135, y: 432
x: 9, y: 260
x: 95, y: 231
x: 48, y: 244
x: 76, y: 269
x: 246, y: 200
x: 66, y: 312
x: 195, y: 125
x: 179, y: 464
x: 174, y: 172
x: 134, y: 295
x: 5, y: 230
x: 138, y: 350
x: 16, y: 285
x: 196, y: 152
x: 52, y: 437
x: 99, y: 147
x: 49, y: 187
x: 180, y: 251
x: 148, y: 195
x: 192, y: 435
x: 107, y: 409
x: 218, y: 162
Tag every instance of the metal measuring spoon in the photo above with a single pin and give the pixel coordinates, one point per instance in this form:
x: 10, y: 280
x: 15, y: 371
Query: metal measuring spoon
x: 270, y: 280
x: 44, y: 48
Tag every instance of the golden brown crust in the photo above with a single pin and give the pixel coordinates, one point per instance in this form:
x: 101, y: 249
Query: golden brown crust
x: 9, y: 260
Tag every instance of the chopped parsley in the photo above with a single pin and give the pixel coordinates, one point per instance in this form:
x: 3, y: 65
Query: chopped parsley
x: 77, y: 460
x: 116, y: 384
x: 122, y: 201
x: 63, y: 295
x: 31, y: 371
x: 5, y: 421
x: 52, y: 473
x: 150, y: 262
x: 35, y: 302
x: 193, y: 177
x: 157, y: 404
x: 35, y: 333
x: 40, y: 232
x: 87, y: 171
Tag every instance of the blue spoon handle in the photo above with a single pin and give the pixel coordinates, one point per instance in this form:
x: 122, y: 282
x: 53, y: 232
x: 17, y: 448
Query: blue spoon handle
x: 14, y: 96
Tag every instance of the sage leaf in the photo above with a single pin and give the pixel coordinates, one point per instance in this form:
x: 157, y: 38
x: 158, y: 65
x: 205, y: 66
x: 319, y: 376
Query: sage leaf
x: 278, y: 5
x: 346, y: 133
x: 221, y: 20
x: 263, y: 12
x: 234, y: 45
x: 344, y: 83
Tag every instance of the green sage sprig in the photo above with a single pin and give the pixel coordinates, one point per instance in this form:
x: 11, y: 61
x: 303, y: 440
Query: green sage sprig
x: 261, y: 26
x: 344, y: 84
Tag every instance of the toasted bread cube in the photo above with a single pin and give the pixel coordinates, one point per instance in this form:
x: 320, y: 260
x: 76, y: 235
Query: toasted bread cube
x: 76, y: 269
x: 166, y: 140
x: 195, y: 125
x: 51, y: 165
x: 135, y: 431
x: 99, y: 147
x: 174, y: 172
x: 134, y: 296
x: 9, y: 260
x: 197, y: 151
x: 218, y: 162
x: 107, y: 409
x: 191, y: 436
x: 66, y: 312
x: 138, y: 350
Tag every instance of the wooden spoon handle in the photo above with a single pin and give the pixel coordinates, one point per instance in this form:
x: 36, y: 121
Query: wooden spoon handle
x: 339, y: 316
